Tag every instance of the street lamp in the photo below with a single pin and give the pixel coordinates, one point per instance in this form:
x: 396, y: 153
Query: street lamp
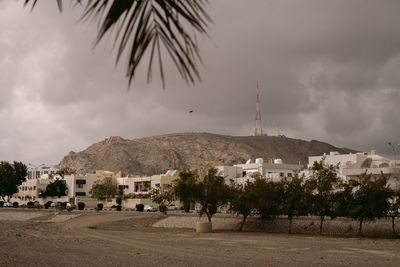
x: 394, y: 150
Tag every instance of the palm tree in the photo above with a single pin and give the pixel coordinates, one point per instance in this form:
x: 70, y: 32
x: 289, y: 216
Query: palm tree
x: 150, y: 25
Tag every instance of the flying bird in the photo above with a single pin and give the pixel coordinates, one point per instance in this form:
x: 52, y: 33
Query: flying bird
x: 190, y: 111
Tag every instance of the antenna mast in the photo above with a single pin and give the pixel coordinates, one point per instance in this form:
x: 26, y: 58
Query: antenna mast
x: 258, y: 131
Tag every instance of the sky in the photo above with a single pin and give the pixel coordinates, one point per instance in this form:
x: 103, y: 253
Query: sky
x: 328, y: 70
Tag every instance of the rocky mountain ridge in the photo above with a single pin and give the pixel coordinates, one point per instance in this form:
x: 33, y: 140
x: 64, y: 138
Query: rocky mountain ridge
x: 156, y: 154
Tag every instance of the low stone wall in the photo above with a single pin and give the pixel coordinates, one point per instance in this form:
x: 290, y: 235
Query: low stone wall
x: 302, y: 225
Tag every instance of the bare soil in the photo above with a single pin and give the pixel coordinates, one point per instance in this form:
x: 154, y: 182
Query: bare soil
x: 128, y: 238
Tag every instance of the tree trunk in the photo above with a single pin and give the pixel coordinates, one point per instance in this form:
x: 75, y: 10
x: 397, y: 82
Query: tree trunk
x: 243, y: 222
x: 320, y: 225
x: 290, y: 224
x: 393, y: 228
x: 208, y: 215
x: 360, y: 228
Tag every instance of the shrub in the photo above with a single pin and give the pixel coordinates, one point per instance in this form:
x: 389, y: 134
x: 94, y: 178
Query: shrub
x: 81, y: 206
x: 119, y: 201
x: 119, y: 207
x: 47, y: 204
x: 1, y: 204
x: 37, y: 206
x: 69, y: 209
x: 61, y: 207
x: 99, y: 206
x: 139, y: 207
x: 30, y: 204
x: 15, y: 204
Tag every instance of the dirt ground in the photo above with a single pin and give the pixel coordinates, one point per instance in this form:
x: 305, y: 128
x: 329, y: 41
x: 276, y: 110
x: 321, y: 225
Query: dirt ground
x: 128, y: 238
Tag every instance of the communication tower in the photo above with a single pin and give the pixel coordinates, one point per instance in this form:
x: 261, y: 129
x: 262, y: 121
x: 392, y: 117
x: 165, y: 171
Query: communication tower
x: 258, y: 130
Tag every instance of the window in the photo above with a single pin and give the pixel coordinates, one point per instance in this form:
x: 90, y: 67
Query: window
x: 80, y: 194
x: 289, y: 174
x: 281, y: 174
x: 79, y: 185
x: 34, y: 187
x: 80, y: 181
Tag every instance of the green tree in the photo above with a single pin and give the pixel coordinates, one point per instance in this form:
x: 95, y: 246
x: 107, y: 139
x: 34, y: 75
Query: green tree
x: 371, y: 200
x: 294, y: 198
x: 11, y: 176
x: 268, y: 198
x: 184, y: 187
x: 65, y: 171
x: 153, y: 26
x: 394, y: 208
x: 162, y: 198
x: 243, y: 200
x: 344, y: 200
x: 211, y: 192
x: 104, y: 189
x: 58, y: 188
x: 321, y: 188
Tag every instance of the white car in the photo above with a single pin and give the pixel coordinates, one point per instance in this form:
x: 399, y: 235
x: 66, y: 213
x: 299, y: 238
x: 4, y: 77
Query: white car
x: 172, y: 207
x: 149, y: 208
x: 7, y: 204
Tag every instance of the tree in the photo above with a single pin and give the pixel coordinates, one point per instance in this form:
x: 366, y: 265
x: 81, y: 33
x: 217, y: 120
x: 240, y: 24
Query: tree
x: 210, y: 193
x: 162, y: 198
x: 183, y: 187
x: 154, y: 26
x: 394, y: 208
x: 294, y: 198
x: 65, y: 171
x: 268, y: 198
x: 243, y: 200
x: 104, y: 189
x: 321, y: 189
x: 11, y: 176
x: 371, y: 200
x: 58, y: 188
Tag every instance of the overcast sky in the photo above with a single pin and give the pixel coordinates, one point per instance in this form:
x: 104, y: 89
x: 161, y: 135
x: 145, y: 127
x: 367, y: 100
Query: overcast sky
x: 329, y: 70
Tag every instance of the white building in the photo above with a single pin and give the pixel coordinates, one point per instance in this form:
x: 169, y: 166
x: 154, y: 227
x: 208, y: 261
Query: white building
x: 353, y: 165
x: 143, y: 185
x: 274, y: 170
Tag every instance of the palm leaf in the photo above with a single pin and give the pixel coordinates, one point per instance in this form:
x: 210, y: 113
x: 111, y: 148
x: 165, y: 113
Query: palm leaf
x: 152, y: 26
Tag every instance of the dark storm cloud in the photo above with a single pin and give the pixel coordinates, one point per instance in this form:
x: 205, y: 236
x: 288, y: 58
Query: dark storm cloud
x: 328, y: 70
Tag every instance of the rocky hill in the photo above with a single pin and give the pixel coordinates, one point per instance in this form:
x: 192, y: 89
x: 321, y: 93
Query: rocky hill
x: 156, y: 154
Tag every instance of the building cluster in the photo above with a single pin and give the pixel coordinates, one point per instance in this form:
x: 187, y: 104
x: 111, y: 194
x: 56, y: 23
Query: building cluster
x: 350, y: 166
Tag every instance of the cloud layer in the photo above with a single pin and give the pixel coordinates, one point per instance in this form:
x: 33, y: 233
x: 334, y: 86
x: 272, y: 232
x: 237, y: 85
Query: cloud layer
x: 328, y: 71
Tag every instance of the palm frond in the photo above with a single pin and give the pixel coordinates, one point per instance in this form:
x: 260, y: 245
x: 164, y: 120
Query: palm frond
x: 151, y: 25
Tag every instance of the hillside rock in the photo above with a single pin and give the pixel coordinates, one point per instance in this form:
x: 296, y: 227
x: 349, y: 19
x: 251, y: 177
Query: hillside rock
x: 156, y: 154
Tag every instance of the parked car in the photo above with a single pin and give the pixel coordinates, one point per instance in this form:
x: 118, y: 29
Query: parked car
x: 71, y: 205
x: 149, y: 208
x: 172, y: 207
x: 7, y: 204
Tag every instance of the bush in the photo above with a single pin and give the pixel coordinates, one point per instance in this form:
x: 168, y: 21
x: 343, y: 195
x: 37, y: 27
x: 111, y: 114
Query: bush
x: 30, y: 204
x: 139, y: 207
x: 69, y: 209
x: 81, y: 206
x: 47, y: 204
x: 15, y: 204
x: 99, y: 206
x: 37, y: 206
x: 1, y: 204
x: 119, y: 201
x: 119, y: 207
x: 61, y: 207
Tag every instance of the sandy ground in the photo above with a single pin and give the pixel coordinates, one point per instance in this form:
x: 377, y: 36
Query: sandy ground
x: 128, y: 238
